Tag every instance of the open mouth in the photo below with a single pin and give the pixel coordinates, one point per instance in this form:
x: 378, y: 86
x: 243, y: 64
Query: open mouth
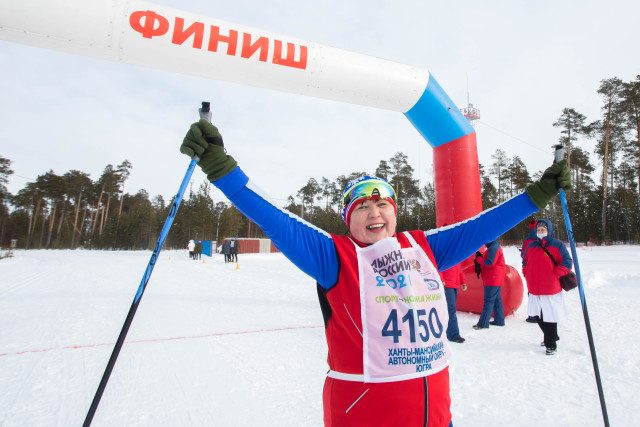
x: 375, y: 227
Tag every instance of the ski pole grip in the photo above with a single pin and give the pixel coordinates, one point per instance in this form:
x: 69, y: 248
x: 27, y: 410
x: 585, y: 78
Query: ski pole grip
x: 559, y: 154
x: 205, y: 111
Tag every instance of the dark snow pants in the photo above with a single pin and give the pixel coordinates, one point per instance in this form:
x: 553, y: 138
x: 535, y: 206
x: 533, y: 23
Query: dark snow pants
x: 550, y: 331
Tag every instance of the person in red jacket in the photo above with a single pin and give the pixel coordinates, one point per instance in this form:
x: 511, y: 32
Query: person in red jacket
x: 493, y: 269
x: 530, y: 237
x: 379, y: 290
x: 453, y: 280
x: 542, y: 275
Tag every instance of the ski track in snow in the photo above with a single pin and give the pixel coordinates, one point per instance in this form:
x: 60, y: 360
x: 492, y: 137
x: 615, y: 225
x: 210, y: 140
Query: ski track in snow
x: 215, y: 345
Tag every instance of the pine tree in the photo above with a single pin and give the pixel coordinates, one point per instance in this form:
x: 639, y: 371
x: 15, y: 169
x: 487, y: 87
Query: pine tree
x: 328, y: 191
x: 29, y: 199
x: 308, y: 193
x: 610, y: 137
x: 105, y: 184
x: 78, y: 184
x: 53, y: 188
x: 630, y: 107
x: 405, y: 186
x: 572, y: 124
x: 383, y: 170
x: 489, y: 191
x: 5, y: 172
x: 427, y: 208
x: 518, y: 176
x: 123, y: 171
x: 500, y: 168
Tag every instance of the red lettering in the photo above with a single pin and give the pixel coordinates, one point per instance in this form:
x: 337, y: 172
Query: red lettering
x: 148, y: 29
x: 180, y: 35
x: 289, y: 61
x: 249, y: 49
x: 151, y: 24
x: 231, y: 40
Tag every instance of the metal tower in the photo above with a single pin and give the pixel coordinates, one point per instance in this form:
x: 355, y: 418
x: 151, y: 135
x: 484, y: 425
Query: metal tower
x: 470, y: 112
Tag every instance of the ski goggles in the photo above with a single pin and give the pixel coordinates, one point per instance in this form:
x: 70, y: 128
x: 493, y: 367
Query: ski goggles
x: 368, y: 188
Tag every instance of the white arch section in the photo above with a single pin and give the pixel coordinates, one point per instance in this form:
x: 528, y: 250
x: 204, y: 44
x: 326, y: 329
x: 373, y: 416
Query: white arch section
x: 159, y: 37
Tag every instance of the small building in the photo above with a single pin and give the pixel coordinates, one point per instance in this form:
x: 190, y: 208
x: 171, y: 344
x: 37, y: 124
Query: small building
x: 254, y: 246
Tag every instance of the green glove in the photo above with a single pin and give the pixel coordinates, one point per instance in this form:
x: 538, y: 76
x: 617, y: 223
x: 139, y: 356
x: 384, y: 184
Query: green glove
x: 554, y: 178
x: 204, y: 140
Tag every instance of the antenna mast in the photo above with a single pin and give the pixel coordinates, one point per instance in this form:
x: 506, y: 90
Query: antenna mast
x: 470, y: 112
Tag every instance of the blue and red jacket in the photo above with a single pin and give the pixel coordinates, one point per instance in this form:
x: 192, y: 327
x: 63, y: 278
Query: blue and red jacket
x: 313, y: 250
x: 538, y: 269
x: 493, y: 265
x: 332, y: 262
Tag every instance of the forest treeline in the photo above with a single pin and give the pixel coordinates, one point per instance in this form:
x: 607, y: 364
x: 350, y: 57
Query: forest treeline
x: 72, y: 210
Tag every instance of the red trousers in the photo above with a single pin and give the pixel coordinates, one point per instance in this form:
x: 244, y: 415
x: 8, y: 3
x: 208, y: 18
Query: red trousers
x: 418, y: 402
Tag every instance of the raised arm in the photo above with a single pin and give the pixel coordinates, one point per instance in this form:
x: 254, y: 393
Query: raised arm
x: 455, y: 243
x: 309, y: 248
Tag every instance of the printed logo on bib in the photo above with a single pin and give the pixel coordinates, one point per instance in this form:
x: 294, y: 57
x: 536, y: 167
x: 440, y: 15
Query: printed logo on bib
x: 403, y: 313
x: 394, y: 264
x: 432, y: 284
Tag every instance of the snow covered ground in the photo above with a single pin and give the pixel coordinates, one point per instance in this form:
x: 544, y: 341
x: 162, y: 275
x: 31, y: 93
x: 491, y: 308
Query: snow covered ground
x: 214, y: 345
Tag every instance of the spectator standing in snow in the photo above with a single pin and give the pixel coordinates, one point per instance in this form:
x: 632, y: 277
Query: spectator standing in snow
x: 493, y: 269
x: 453, y: 280
x: 199, y: 250
x: 233, y: 246
x: 380, y: 292
x: 226, y: 250
x: 546, y: 300
x: 531, y: 236
x: 191, y: 247
x: 236, y: 249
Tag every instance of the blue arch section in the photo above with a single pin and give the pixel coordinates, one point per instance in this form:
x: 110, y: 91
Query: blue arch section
x: 436, y: 117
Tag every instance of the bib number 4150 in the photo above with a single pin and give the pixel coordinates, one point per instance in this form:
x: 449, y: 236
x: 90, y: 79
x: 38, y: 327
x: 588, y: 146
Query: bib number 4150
x: 426, y: 326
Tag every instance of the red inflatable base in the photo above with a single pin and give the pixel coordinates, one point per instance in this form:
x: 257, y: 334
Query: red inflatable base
x: 472, y: 299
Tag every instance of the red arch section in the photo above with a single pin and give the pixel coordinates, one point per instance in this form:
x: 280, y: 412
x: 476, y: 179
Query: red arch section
x: 472, y: 299
x: 458, y: 197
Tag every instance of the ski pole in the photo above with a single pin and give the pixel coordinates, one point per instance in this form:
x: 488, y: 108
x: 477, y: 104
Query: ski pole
x: 205, y: 113
x: 559, y: 155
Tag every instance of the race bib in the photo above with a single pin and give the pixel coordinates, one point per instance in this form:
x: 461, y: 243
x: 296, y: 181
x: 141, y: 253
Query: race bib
x: 404, y: 312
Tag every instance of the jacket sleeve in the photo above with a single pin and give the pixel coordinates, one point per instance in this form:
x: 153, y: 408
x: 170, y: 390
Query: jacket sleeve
x: 463, y: 280
x: 480, y: 258
x: 565, y: 263
x: 490, y: 256
x: 454, y: 243
x: 311, y: 249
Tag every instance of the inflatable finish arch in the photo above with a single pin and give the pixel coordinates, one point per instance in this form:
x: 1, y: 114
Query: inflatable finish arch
x: 159, y: 37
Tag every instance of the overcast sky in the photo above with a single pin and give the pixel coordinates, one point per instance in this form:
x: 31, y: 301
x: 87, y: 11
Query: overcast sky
x: 524, y: 62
